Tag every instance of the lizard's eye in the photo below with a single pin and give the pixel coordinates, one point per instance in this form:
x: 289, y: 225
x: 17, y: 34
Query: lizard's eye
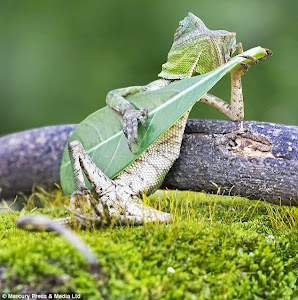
x: 181, y: 24
x: 179, y: 29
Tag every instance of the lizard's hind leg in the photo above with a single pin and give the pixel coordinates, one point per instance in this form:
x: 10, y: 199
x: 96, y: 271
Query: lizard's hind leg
x: 81, y: 162
x: 81, y: 200
x: 116, y: 199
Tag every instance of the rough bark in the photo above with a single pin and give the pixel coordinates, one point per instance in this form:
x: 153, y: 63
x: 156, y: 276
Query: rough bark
x: 31, y: 157
x: 259, y: 161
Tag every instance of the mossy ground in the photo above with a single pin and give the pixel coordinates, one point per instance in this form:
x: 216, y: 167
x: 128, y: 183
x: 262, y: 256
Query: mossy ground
x: 216, y: 248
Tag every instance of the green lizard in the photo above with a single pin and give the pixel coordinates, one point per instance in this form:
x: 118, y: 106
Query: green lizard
x: 196, y: 50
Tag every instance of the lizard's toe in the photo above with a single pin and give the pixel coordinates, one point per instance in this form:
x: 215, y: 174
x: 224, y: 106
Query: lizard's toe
x: 128, y: 130
x: 125, y: 127
x: 129, y: 142
x: 251, y: 58
x: 135, y: 130
x: 268, y: 53
x: 246, y: 66
x: 144, y: 111
x: 80, y: 201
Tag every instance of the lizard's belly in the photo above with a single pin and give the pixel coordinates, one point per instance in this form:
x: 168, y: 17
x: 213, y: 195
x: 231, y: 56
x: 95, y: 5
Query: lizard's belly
x: 148, y: 171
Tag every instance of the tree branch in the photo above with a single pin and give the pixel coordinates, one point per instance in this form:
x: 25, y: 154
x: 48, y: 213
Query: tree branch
x: 259, y: 161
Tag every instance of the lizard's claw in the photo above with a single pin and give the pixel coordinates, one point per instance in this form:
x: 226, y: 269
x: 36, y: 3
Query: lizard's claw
x: 253, y: 59
x: 130, y: 124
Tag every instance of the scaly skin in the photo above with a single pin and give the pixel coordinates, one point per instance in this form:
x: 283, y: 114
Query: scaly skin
x: 196, y: 50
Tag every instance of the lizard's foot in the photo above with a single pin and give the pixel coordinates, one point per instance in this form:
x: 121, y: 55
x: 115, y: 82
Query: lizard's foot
x: 239, y: 72
x: 81, y: 205
x: 130, y: 123
x: 135, y: 213
x: 113, y: 209
x: 253, y: 60
x: 127, y: 209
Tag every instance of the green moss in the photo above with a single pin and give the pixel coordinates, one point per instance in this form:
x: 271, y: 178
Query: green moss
x: 218, y: 247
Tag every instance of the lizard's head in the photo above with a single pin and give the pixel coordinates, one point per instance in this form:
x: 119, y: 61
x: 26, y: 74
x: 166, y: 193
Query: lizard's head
x: 197, y: 50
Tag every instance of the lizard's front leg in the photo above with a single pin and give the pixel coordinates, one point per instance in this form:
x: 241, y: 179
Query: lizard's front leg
x: 235, y: 110
x: 117, y: 100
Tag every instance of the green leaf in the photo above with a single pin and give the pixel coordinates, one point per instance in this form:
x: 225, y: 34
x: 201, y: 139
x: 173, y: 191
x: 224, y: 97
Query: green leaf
x: 101, y: 132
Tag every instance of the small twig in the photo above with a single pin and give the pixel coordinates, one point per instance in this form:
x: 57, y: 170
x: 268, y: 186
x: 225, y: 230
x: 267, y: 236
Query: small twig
x: 43, y: 223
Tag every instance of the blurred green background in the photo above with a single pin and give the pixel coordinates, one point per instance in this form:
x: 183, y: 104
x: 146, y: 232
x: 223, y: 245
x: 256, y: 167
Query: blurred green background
x: 58, y: 59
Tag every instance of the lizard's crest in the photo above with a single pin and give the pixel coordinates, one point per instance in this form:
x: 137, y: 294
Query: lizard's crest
x: 196, y: 49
